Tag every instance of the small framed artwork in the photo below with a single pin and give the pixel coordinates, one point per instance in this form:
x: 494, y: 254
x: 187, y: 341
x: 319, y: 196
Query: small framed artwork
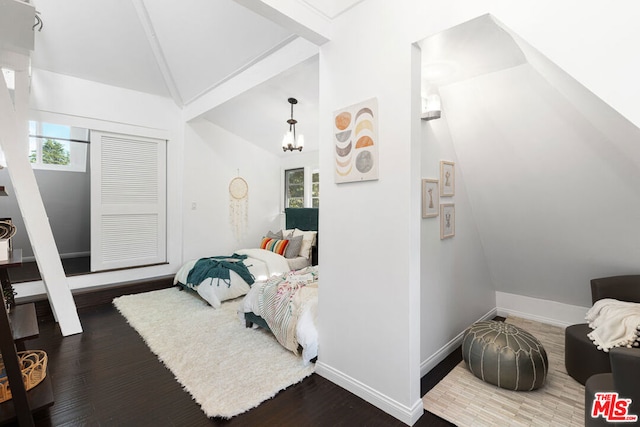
x: 447, y: 179
x: 430, y: 198
x: 447, y: 220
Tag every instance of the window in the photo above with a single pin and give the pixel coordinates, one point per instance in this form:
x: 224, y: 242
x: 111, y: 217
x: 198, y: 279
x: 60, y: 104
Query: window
x: 301, y: 188
x: 58, y: 147
x: 294, y: 188
x: 315, y: 190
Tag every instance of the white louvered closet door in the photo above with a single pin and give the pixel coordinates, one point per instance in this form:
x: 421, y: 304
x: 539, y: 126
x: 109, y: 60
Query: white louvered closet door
x: 128, y: 201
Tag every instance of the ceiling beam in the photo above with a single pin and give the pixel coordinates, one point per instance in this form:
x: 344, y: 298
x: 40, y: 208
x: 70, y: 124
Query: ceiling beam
x: 299, y: 18
x: 145, y: 21
x: 292, y: 54
x: 244, y: 67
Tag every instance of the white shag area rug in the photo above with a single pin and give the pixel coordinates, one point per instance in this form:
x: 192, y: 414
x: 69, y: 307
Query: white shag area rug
x: 465, y: 400
x: 227, y: 368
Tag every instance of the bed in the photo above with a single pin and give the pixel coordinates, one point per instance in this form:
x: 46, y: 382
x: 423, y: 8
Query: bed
x: 286, y: 304
x: 220, y: 278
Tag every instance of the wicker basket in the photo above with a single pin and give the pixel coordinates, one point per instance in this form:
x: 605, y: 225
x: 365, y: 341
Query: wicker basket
x: 34, y: 370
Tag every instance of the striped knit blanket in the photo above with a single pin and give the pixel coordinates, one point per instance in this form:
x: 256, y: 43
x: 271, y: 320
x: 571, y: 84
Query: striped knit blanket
x: 282, y: 299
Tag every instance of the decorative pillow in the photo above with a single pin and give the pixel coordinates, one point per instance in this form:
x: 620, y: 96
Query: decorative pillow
x: 293, y: 249
x: 308, y: 240
x: 273, y: 235
x: 274, y: 245
x: 308, y: 235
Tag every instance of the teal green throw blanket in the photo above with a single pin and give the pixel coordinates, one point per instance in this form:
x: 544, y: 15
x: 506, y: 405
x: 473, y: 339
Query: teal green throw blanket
x: 218, y: 268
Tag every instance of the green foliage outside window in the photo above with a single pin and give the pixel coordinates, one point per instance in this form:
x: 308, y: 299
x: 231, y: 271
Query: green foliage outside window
x: 296, y: 203
x: 315, y: 190
x: 53, y: 153
x: 294, y: 188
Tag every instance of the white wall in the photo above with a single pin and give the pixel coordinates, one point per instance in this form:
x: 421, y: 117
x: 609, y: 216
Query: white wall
x: 368, y: 311
x: 456, y: 285
x: 296, y: 159
x: 82, y: 100
x: 212, y: 158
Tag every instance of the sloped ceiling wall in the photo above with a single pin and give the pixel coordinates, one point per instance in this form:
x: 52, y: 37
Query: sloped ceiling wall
x: 551, y: 172
x: 156, y: 47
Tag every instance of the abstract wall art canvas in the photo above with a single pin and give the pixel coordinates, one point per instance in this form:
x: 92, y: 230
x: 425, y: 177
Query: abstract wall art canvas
x: 355, y: 136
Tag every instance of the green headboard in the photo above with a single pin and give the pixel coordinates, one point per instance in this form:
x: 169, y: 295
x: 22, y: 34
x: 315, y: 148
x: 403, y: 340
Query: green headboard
x: 302, y: 218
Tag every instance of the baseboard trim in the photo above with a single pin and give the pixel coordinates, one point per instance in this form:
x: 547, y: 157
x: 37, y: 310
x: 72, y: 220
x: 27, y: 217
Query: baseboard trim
x: 437, y: 357
x: 408, y: 415
x: 544, y: 311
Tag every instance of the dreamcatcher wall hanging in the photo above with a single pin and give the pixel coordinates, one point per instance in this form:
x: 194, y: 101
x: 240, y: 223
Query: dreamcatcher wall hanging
x: 238, y: 207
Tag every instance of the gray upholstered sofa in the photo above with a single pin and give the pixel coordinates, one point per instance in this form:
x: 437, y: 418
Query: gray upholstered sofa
x: 582, y: 359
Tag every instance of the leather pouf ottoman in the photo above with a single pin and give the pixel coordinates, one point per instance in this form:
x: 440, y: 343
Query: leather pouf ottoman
x: 505, y: 355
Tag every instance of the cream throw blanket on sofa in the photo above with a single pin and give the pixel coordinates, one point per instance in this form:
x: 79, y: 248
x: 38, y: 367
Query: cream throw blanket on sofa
x: 614, y: 323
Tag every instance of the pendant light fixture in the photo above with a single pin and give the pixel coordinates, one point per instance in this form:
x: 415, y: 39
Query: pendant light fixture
x: 290, y: 141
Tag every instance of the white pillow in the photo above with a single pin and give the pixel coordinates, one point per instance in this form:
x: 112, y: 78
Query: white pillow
x: 308, y: 235
x: 308, y: 240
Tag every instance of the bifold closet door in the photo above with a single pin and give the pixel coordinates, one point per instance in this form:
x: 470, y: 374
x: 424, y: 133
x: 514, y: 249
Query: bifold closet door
x: 128, y: 201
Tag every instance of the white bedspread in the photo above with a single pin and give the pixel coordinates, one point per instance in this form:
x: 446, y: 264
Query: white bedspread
x: 261, y: 263
x: 614, y: 323
x: 304, y: 306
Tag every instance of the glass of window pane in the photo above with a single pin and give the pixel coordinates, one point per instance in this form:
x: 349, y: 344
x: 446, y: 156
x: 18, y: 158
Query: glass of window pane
x: 55, y: 152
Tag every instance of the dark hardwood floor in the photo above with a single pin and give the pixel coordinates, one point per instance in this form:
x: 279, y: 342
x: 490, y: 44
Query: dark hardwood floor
x: 108, y: 376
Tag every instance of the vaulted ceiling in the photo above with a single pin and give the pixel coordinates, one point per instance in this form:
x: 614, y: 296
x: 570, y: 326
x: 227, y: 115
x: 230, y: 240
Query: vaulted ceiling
x: 183, y: 50
x: 188, y: 46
